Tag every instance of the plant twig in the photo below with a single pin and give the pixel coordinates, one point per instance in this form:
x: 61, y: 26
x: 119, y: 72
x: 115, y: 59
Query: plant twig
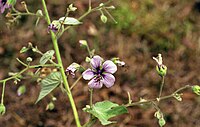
x: 74, y: 84
x: 161, y: 98
x: 91, y: 94
x: 161, y: 87
x: 90, y: 123
x: 88, y: 12
x: 3, y: 92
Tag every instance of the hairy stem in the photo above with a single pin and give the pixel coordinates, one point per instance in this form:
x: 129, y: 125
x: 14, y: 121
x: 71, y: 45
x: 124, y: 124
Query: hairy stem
x: 58, y: 56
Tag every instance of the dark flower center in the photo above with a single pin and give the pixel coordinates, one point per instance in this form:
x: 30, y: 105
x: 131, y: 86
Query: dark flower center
x: 99, y: 71
x: 99, y: 74
x: 3, y: 2
x: 98, y: 78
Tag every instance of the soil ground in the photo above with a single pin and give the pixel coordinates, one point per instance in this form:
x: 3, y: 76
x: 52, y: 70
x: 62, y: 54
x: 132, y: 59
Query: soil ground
x: 145, y: 28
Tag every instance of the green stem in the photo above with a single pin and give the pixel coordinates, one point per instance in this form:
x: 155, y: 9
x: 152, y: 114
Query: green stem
x: 90, y: 123
x: 161, y: 87
x: 90, y: 4
x: 25, y: 69
x: 161, y: 98
x: 25, y: 14
x: 89, y: 51
x: 91, y: 93
x: 58, y: 56
x: 14, y: 76
x: 110, y: 15
x: 90, y: 10
x: 74, y: 84
x: 3, y: 92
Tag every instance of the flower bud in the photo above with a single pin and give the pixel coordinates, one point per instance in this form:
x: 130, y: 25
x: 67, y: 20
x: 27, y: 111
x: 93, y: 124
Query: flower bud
x: 2, y: 109
x: 196, y: 89
x: 72, y: 8
x: 21, y: 90
x: 54, y: 26
x: 30, y: 45
x: 83, y: 43
x: 34, y: 49
x: 50, y: 106
x: 101, y: 4
x: 54, y: 98
x: 162, y: 122
x: 103, y: 18
x: 111, y: 7
x: 87, y: 59
x: 72, y: 69
x: 39, y: 13
x: 29, y: 59
x: 24, y: 49
x: 118, y: 62
x: 15, y: 82
x: 161, y: 69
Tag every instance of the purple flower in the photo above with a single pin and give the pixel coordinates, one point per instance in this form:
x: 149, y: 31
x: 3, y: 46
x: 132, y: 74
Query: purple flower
x: 4, y: 5
x: 52, y: 27
x: 72, y: 69
x: 101, y: 73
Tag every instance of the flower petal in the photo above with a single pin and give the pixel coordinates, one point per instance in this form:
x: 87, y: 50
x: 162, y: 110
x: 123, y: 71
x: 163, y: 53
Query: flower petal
x: 88, y: 74
x: 96, y: 61
x: 108, y: 80
x: 109, y: 67
x: 95, y: 84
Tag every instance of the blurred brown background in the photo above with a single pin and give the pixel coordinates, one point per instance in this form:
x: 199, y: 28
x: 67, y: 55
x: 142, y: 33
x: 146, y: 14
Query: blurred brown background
x: 145, y: 28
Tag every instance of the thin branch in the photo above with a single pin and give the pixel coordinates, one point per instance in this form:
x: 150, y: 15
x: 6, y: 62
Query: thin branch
x: 88, y: 12
x: 24, y: 70
x: 161, y: 87
x: 3, y: 92
x: 161, y: 98
x: 74, y: 84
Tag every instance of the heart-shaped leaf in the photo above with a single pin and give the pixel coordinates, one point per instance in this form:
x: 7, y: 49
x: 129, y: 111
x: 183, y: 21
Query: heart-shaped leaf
x: 49, y: 84
x: 106, y: 110
x: 47, y: 56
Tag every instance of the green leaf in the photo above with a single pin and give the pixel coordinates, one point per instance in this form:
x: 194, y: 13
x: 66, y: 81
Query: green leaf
x: 70, y: 21
x: 49, y: 84
x: 47, y: 56
x: 106, y: 110
x: 11, y: 2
